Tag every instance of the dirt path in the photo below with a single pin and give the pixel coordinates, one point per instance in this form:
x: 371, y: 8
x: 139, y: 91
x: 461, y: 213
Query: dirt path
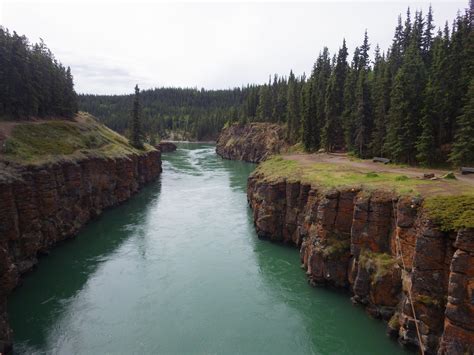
x: 368, y: 165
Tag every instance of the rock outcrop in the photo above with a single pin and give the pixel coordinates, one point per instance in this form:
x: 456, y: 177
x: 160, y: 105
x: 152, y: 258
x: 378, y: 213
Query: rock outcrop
x: 253, y: 142
x: 166, y: 147
x: 384, y: 249
x: 43, y: 205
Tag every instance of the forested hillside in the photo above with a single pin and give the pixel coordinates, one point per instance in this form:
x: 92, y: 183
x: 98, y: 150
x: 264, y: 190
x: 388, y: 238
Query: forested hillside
x: 412, y: 102
x: 32, y: 82
x: 199, y: 114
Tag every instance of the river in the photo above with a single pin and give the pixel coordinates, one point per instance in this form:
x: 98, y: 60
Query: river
x: 178, y: 269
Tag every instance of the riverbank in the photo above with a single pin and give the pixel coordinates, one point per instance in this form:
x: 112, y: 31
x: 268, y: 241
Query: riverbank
x: 56, y: 176
x: 392, y: 238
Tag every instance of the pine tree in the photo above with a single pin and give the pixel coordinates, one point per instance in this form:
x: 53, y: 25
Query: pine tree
x: 463, y: 148
x: 136, y: 138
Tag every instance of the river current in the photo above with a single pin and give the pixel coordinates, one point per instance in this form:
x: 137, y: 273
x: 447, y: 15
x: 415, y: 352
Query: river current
x: 178, y: 269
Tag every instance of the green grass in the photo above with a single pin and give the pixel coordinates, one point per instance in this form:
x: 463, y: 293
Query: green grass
x: 329, y: 175
x: 53, y: 140
x: 451, y: 212
x: 448, y: 203
x: 336, y: 247
x: 380, y: 263
x: 428, y: 301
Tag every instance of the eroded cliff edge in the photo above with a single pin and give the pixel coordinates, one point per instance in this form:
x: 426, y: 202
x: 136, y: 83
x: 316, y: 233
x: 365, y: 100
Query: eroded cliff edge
x: 43, y: 204
x: 354, y: 238
x: 252, y: 142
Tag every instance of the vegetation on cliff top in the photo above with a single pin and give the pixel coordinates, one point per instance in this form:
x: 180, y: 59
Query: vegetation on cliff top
x: 449, y: 203
x: 327, y: 175
x: 44, y: 141
x: 451, y: 212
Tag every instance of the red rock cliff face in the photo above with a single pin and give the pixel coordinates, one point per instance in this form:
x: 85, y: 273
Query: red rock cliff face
x: 253, y: 142
x: 43, y: 205
x: 383, y: 249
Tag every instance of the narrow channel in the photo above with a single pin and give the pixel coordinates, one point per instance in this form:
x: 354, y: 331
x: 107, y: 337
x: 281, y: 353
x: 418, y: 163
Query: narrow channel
x: 178, y: 269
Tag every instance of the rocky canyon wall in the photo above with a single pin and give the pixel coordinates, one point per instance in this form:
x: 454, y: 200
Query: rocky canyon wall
x: 43, y: 205
x: 384, y: 250
x: 252, y: 142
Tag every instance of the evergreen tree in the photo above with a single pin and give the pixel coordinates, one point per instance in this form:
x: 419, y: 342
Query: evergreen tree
x: 363, y: 109
x: 332, y: 132
x: 463, y: 149
x: 405, y: 107
x: 264, y: 108
x: 435, y: 106
x: 320, y: 78
x: 136, y: 139
x: 427, y: 39
x: 381, y: 89
x: 293, y: 109
x: 307, y: 117
x: 348, y: 116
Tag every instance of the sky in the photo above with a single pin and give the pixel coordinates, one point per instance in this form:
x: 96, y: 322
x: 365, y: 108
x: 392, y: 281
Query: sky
x: 113, y: 45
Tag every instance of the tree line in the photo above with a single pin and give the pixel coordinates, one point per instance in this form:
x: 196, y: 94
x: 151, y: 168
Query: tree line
x: 198, y: 114
x: 32, y: 82
x: 413, y: 103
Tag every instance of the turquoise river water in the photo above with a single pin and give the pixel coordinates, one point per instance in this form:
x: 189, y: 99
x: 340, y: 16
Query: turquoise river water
x: 178, y: 269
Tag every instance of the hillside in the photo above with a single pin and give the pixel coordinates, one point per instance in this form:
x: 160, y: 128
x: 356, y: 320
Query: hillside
x: 42, y: 141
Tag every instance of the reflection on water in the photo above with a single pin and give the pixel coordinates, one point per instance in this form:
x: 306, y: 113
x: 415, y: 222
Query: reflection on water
x: 178, y: 269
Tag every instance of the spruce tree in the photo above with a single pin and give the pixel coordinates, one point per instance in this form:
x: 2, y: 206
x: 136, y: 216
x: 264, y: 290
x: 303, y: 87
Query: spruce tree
x: 348, y: 119
x: 435, y: 108
x: 405, y: 107
x: 463, y: 148
x: 293, y: 109
x: 362, y: 103
x: 332, y: 133
x: 320, y: 77
x: 308, y: 111
x: 381, y: 89
x: 136, y: 138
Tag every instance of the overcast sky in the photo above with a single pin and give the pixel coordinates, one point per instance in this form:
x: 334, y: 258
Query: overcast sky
x: 110, y: 45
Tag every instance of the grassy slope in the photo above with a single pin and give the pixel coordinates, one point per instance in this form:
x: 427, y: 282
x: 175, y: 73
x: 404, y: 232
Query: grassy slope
x: 450, y: 203
x: 48, y: 141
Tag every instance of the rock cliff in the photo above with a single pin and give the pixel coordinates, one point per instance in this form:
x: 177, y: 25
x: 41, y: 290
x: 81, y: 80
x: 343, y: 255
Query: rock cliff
x: 166, y: 147
x: 43, y: 204
x: 253, y: 142
x: 381, y: 247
